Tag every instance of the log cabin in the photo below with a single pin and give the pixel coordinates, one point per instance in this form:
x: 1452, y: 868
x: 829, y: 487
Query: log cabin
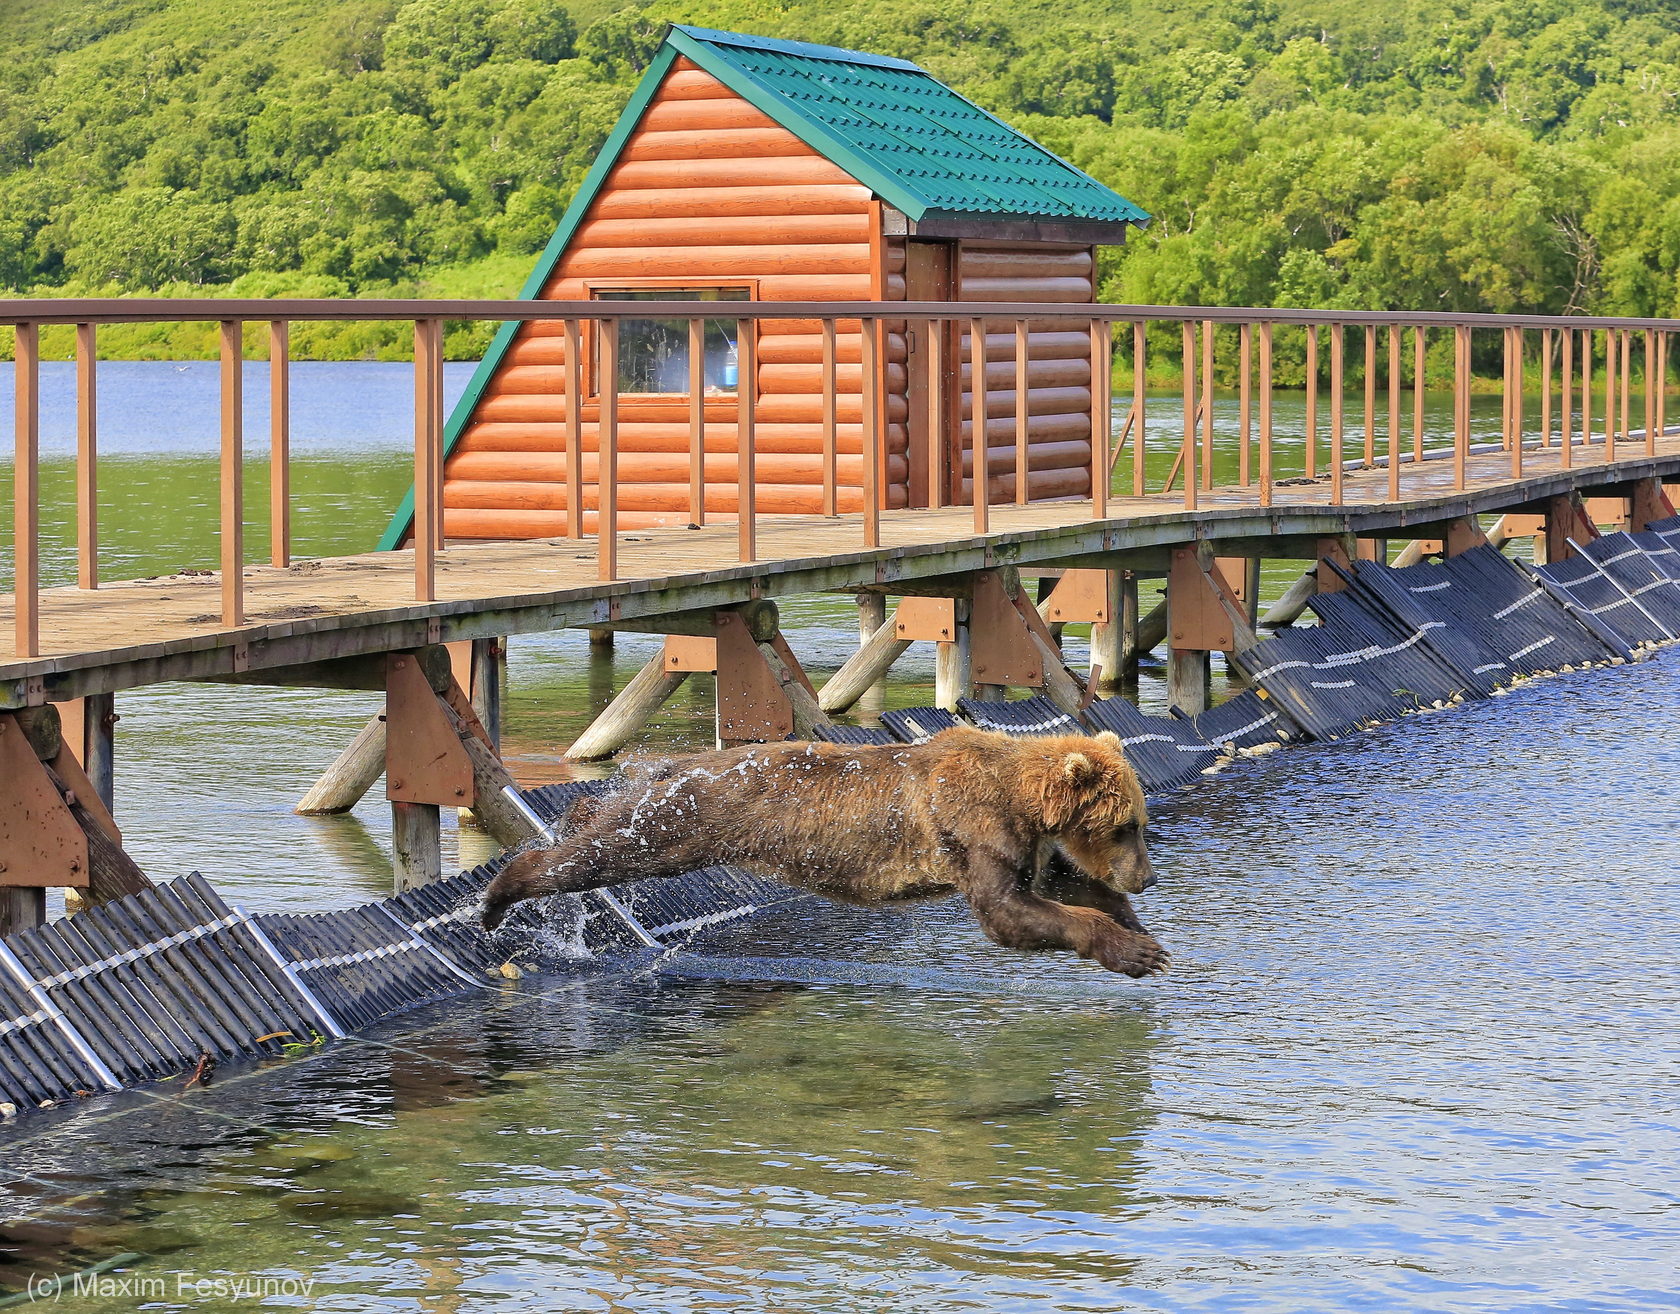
x: 745, y: 168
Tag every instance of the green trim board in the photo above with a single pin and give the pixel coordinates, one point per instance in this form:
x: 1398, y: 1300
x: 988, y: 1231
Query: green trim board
x: 403, y: 520
x: 922, y: 148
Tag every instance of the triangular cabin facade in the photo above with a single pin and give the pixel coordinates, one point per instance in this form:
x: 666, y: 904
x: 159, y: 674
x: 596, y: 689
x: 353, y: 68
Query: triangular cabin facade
x: 745, y: 168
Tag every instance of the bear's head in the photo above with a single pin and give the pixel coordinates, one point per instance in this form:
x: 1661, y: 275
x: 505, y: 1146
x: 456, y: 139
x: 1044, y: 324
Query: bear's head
x: 1093, y: 806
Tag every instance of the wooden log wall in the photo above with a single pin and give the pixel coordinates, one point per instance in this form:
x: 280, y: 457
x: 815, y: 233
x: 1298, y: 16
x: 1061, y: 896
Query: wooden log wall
x: 708, y: 191
x: 1058, y: 370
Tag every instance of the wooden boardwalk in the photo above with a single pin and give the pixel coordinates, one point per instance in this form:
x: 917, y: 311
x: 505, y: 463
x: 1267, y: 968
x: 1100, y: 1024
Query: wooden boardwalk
x: 127, y: 634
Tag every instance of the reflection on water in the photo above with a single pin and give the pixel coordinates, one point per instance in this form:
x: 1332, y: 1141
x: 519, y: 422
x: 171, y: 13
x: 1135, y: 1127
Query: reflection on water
x: 1414, y: 1054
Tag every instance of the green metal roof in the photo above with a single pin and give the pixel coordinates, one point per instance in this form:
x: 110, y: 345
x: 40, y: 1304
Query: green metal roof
x: 917, y: 144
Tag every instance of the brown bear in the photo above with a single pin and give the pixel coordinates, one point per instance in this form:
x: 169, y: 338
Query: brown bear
x: 1044, y: 837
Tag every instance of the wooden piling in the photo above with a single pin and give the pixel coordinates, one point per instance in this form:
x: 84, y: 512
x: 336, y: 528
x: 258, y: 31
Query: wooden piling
x: 953, y: 668
x: 352, y: 773
x: 628, y: 712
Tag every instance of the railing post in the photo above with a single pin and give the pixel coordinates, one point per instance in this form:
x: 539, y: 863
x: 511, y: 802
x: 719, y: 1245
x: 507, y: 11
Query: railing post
x: 1393, y: 412
x: 1586, y: 390
x: 1265, y: 414
x: 1461, y: 403
x: 1627, y: 378
x: 831, y: 422
x: 26, y: 493
x: 279, y: 443
x: 1207, y: 404
x: 1518, y: 341
x: 1245, y: 404
x: 873, y: 440
x: 1310, y: 456
x: 1650, y: 396
x: 1545, y: 387
x: 1187, y: 453
x: 981, y: 457
x: 697, y: 422
x: 426, y: 476
x: 1610, y: 346
x: 1338, y: 418
x: 1140, y: 451
x: 1102, y: 413
x: 573, y: 334
x: 233, y: 473
x: 1021, y: 410
x: 746, y: 433
x: 606, y: 451
x: 1566, y: 397
x: 1662, y: 382
x: 1370, y: 396
x: 1417, y: 395
x: 87, y: 457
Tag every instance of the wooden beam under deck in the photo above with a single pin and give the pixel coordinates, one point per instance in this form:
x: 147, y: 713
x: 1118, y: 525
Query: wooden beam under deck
x: 322, y: 611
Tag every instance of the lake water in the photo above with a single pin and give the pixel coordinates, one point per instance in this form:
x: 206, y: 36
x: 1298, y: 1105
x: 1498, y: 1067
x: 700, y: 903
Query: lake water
x: 1416, y: 1052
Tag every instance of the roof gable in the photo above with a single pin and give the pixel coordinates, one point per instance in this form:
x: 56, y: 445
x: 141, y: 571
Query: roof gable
x: 922, y: 148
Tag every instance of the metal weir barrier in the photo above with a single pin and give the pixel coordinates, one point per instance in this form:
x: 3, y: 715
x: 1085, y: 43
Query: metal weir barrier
x: 1364, y: 381
x: 172, y: 980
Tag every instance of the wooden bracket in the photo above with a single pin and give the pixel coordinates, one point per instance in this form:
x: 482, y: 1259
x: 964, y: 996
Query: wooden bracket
x: 1648, y: 502
x: 1080, y: 596
x: 1611, y: 512
x: 1197, y: 619
x: 688, y: 654
x: 41, y: 842
x: 751, y: 705
x: 926, y: 618
x: 425, y: 761
x: 1000, y: 642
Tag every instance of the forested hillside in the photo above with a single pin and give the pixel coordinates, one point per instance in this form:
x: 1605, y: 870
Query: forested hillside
x: 1497, y: 155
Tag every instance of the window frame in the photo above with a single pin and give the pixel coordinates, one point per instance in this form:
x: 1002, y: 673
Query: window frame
x: 602, y: 289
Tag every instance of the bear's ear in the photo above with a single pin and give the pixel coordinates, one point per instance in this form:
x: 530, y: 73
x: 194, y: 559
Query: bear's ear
x: 1067, y: 788
x: 1107, y: 738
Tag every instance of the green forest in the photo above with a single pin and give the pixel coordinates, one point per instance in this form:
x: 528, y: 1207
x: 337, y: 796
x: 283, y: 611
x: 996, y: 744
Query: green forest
x: 1488, y: 155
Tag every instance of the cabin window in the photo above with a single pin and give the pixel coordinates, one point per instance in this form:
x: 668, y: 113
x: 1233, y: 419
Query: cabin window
x: 653, y: 353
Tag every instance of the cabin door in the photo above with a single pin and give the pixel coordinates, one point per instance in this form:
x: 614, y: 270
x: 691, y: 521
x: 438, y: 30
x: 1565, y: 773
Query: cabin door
x: 935, y: 456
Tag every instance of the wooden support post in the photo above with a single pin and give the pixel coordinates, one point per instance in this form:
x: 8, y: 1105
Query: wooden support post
x: 416, y: 845
x: 1265, y: 414
x: 573, y: 335
x: 1189, y: 679
x: 746, y: 433
x: 1339, y: 549
x: 628, y: 712
x: 1610, y: 346
x: 1108, y: 638
x: 1586, y: 387
x: 1566, y: 395
x: 1102, y: 417
x: 427, y: 455
x: 1394, y: 412
x: 697, y: 422
x: 1462, y: 535
x: 1099, y: 459
x: 863, y: 671
x: 979, y: 438
x: 489, y: 671
x: 1287, y: 609
x: 606, y: 457
x: 97, y: 749
x: 953, y: 675
x: 1647, y: 502
x: 1566, y: 518
x: 796, y: 689
x: 343, y: 784
x: 1150, y: 634
x: 874, y: 439
x: 872, y: 618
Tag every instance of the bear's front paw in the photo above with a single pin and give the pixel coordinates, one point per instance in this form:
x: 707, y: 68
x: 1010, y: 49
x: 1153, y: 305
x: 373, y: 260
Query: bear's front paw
x: 1129, y: 952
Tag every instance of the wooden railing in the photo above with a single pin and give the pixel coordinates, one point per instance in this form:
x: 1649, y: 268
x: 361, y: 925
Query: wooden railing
x: 1565, y: 349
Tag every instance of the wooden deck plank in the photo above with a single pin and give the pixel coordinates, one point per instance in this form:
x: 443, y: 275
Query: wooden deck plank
x: 140, y: 631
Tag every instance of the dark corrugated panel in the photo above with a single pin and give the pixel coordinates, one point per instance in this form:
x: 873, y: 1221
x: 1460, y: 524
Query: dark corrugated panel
x: 1167, y: 753
x: 1246, y: 721
x: 913, y: 725
x: 1028, y: 716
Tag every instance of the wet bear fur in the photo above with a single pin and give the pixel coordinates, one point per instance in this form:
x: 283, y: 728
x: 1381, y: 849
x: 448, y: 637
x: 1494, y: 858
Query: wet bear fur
x: 1043, y: 837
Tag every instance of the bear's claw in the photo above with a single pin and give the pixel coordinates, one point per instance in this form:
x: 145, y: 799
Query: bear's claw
x: 1130, y: 953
